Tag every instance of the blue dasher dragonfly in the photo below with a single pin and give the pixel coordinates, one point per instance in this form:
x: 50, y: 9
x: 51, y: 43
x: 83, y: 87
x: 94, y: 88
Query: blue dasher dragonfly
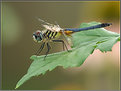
x: 52, y: 32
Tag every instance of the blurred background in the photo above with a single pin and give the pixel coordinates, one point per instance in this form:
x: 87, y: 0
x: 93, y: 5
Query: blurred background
x: 100, y: 71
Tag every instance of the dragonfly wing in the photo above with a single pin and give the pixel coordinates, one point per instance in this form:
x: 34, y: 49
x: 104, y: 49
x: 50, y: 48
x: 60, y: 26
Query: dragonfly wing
x: 53, y: 28
x: 42, y: 21
x: 47, y: 27
x: 69, y: 39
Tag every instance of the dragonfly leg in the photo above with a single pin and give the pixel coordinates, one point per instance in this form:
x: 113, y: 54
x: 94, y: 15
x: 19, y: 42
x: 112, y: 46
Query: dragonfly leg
x: 62, y: 43
x: 48, y: 49
x: 40, y: 49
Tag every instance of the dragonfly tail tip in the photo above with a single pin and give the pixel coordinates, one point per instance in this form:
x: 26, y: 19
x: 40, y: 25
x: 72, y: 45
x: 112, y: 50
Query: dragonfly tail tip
x: 106, y: 24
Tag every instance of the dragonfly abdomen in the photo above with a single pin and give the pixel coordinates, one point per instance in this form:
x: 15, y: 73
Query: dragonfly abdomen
x: 88, y: 28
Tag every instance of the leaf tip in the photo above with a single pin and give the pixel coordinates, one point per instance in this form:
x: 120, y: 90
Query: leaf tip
x: 16, y: 86
x: 95, y: 46
x: 119, y: 39
x: 33, y: 57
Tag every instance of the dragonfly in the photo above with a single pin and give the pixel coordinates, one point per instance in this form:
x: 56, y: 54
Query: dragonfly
x: 52, y: 32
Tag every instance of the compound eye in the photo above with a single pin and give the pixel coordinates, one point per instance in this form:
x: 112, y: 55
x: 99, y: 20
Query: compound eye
x: 38, y: 33
x: 34, y: 36
x: 37, y: 36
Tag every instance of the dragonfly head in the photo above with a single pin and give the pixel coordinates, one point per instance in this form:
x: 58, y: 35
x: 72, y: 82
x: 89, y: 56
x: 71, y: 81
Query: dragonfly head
x: 37, y: 36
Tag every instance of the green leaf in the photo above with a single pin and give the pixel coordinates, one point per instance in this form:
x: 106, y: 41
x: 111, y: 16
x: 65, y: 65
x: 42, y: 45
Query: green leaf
x: 84, y: 43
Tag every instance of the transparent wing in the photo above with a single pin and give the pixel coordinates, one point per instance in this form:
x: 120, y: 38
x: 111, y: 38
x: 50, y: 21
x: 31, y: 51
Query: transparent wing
x: 42, y: 21
x: 51, y: 27
x: 69, y: 40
